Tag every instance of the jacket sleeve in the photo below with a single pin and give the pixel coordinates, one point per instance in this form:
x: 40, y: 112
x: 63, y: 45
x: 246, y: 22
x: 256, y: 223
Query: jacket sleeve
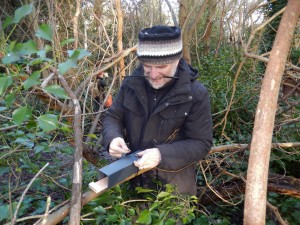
x: 197, y: 133
x: 113, y: 120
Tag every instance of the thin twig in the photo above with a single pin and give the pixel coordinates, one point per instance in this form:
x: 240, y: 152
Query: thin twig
x: 47, y: 210
x: 214, y: 191
x: 277, y: 214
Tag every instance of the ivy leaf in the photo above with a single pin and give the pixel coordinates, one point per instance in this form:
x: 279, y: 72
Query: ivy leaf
x: 5, y: 82
x: 145, y: 217
x: 26, y: 48
x: 57, y: 91
x: 22, y: 12
x: 4, y: 212
x: 9, y: 99
x: 44, y: 31
x: 78, y: 54
x: 32, y: 80
x: 25, y: 141
x: 4, y: 170
x: 20, y: 114
x: 10, y: 58
x: 48, y: 122
x: 18, y: 50
x: 66, y: 66
x: 19, y: 14
x: 112, y: 218
x: 99, y: 209
x: 170, y: 221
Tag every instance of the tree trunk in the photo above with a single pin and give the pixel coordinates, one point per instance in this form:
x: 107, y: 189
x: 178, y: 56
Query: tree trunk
x: 188, y: 26
x: 119, y: 37
x: 257, y: 174
x: 209, y: 23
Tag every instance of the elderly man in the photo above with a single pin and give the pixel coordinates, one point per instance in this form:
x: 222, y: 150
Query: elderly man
x: 162, y: 111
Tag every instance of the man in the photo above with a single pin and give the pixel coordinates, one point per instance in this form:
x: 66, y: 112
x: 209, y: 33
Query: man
x: 162, y: 111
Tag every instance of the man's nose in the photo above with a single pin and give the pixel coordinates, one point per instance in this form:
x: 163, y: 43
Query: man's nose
x: 154, y: 73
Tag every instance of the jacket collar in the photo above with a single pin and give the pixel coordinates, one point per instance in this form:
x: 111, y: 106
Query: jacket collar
x: 186, y: 74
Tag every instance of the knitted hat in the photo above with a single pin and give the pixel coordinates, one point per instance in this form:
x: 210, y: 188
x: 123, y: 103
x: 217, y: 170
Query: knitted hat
x: 159, y: 45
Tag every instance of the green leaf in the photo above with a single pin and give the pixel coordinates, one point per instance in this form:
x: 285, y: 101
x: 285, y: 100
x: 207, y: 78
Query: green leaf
x: 18, y: 50
x: 131, y: 211
x: 78, y: 54
x: 163, y: 194
x: 19, y: 14
x: 94, y: 136
x: 10, y: 58
x: 42, y: 52
x: 145, y: 217
x: 67, y: 41
x: 22, y: 12
x: 36, y: 61
x: 4, y: 170
x: 57, y: 91
x: 12, y: 45
x: 26, y: 48
x: 170, y: 221
x: 143, y: 190
x: 48, y: 122
x: 8, y: 21
x: 99, y: 209
x: 5, y: 82
x: 66, y: 66
x: 32, y: 80
x: 20, y: 114
x: 9, y: 99
x: 155, y: 205
x: 112, y: 218
x: 25, y: 142
x: 44, y: 31
x: 4, y: 212
x: 41, y: 147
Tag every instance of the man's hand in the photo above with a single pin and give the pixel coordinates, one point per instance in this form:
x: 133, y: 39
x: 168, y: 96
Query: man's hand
x: 118, y: 147
x: 150, y: 158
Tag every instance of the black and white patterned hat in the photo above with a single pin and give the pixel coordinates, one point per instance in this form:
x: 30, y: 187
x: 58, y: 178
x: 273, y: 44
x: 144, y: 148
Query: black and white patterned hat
x: 159, y: 45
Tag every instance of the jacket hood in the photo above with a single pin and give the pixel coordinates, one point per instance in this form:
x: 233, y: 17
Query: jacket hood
x: 193, y: 71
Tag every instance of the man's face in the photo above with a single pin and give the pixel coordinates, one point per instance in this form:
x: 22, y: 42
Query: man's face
x: 157, y: 74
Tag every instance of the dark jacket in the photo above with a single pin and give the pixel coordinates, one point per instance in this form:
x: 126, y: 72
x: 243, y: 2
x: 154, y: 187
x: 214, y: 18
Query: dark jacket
x: 180, y: 126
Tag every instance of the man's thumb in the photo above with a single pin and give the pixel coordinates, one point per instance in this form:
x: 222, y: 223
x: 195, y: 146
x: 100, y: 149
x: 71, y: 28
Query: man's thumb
x: 123, y: 144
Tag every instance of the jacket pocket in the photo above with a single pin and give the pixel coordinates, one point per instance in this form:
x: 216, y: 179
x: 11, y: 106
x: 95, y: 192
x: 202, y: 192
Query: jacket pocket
x: 172, y: 120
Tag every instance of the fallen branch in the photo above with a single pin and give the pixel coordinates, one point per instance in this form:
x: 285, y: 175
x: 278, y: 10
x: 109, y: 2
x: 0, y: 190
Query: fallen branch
x: 246, y: 146
x: 88, y: 196
x: 285, y: 185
